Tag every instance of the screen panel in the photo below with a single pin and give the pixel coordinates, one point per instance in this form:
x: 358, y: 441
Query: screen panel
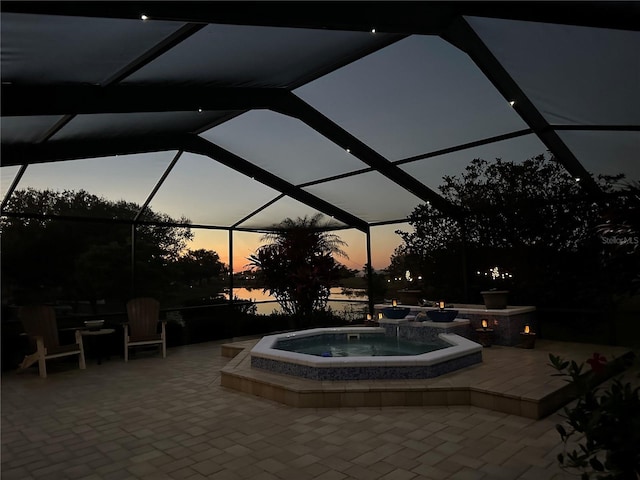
x: 209, y: 193
x: 253, y: 56
x: 607, y: 153
x: 42, y: 49
x: 283, y: 208
x: 370, y: 196
x: 26, y: 129
x: 7, y: 176
x: 128, y: 178
x: 431, y: 171
x: 283, y: 146
x: 122, y: 125
x: 573, y: 75
x: 415, y: 96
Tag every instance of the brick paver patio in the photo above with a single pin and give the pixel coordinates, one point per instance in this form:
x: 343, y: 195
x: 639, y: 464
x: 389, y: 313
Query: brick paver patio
x: 161, y: 419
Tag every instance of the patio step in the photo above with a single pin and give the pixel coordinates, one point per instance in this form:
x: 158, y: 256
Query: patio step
x: 509, y: 380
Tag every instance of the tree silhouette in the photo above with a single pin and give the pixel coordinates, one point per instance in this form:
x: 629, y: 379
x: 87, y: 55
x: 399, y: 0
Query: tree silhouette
x: 297, y: 266
x: 531, y: 219
x: 48, y: 258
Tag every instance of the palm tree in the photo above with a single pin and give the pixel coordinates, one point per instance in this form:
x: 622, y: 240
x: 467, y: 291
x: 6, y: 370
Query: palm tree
x: 297, y: 265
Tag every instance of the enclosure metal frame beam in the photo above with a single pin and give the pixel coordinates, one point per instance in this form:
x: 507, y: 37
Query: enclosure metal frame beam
x: 52, y: 151
x: 18, y: 154
x: 199, y: 145
x: 178, y: 36
x: 28, y: 100
x: 398, y: 17
x: 463, y: 36
x: 295, y: 107
x: 157, y: 186
x: 231, y: 266
x: 139, y: 214
x: 369, y: 273
x: 13, y: 186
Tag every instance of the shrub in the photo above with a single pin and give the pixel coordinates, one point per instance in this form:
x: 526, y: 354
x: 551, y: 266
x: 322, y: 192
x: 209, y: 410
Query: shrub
x: 605, y: 422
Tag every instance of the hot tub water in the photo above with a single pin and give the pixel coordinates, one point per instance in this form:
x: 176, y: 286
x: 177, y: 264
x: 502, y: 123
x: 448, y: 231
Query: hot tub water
x: 453, y: 352
x: 356, y: 345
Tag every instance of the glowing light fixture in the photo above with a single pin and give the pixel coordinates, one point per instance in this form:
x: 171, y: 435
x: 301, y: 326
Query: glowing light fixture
x: 512, y: 103
x: 373, y: 30
x: 394, y: 303
x: 528, y: 337
x: 485, y: 324
x: 144, y: 17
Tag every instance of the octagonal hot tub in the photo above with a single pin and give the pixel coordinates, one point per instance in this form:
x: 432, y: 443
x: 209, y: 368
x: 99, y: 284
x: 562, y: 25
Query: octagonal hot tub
x: 325, y: 360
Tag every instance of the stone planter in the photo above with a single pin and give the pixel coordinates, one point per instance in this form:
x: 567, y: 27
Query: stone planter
x: 495, y: 299
x: 409, y: 297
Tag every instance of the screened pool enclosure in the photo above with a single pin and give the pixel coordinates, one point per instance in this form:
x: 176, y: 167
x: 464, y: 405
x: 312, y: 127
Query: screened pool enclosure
x: 237, y: 115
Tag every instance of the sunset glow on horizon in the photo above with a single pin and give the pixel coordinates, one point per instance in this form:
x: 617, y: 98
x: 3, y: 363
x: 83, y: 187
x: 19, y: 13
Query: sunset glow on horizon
x: 384, y: 240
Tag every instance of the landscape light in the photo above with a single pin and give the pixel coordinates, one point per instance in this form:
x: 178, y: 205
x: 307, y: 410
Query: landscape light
x: 512, y: 103
x: 528, y: 338
x: 144, y: 17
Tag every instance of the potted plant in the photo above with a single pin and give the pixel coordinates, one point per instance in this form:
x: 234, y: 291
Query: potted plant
x: 409, y: 294
x: 496, y: 296
x: 495, y: 299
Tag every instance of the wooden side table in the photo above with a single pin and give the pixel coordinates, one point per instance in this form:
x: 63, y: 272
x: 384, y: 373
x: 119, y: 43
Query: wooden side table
x: 99, y: 343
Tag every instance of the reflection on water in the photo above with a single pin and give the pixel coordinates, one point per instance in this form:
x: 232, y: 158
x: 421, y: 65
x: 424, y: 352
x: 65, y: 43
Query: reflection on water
x: 339, y: 299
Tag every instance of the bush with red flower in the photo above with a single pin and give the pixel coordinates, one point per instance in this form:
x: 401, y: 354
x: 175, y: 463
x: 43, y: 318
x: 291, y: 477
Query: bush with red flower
x: 598, y: 363
x: 604, y: 423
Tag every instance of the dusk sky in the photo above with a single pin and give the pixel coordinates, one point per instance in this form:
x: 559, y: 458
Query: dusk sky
x: 416, y: 96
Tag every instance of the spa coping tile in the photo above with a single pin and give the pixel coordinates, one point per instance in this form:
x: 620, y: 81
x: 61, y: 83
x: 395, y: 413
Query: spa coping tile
x: 500, y: 376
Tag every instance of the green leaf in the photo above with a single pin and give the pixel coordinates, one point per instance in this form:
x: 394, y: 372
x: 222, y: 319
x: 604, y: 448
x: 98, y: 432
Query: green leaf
x: 561, y: 430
